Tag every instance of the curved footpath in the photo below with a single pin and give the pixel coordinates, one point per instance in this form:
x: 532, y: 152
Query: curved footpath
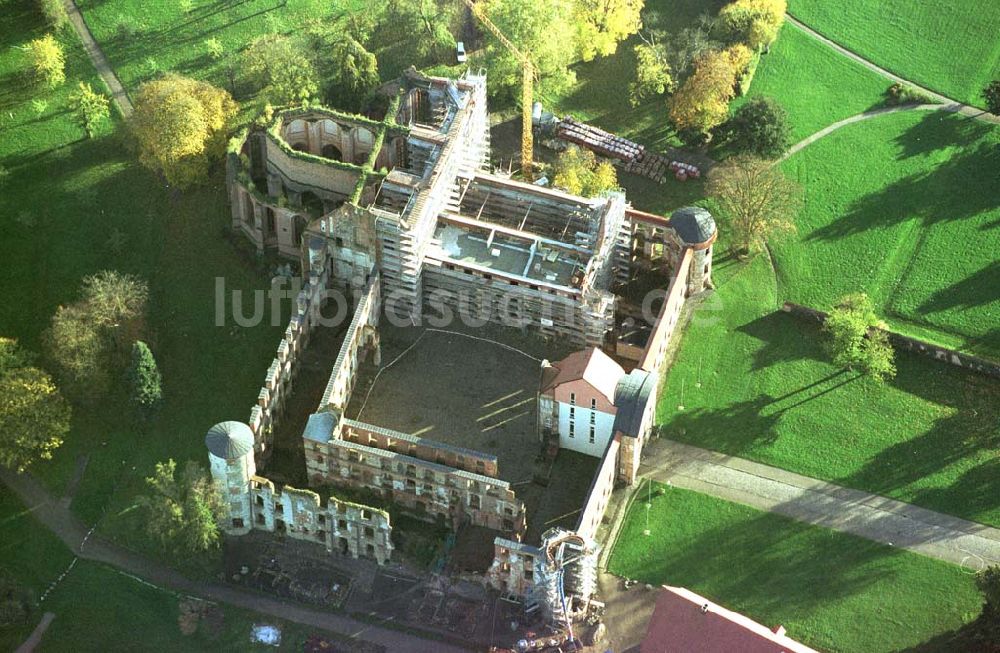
x: 58, y: 519
x: 97, y: 57
x: 949, y: 104
x: 973, y: 546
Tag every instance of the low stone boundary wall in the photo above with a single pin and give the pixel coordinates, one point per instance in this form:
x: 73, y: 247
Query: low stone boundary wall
x: 965, y: 361
x: 341, y: 383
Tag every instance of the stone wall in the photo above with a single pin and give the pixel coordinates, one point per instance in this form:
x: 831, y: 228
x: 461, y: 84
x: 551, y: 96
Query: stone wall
x: 441, y: 493
x: 656, y: 348
x: 348, y: 528
x: 361, y: 333
x: 599, y: 493
x: 278, y: 381
x: 957, y: 358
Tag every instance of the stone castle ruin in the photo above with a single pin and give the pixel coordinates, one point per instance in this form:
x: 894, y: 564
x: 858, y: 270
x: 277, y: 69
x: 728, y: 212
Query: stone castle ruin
x: 402, y: 213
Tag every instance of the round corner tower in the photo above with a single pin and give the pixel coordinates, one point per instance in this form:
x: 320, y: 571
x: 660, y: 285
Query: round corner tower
x: 230, y: 458
x: 696, y: 228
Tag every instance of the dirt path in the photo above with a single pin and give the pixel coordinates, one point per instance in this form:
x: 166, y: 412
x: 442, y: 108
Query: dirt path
x: 100, y: 61
x: 971, y: 545
x: 949, y: 104
x: 35, y: 638
x: 58, y: 519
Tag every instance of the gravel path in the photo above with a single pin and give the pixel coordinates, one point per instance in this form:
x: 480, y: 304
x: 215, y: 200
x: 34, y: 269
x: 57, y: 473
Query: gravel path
x: 972, y: 545
x: 100, y: 61
x: 58, y: 519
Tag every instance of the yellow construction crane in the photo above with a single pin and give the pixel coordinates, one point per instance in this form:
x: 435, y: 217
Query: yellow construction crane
x: 527, y: 87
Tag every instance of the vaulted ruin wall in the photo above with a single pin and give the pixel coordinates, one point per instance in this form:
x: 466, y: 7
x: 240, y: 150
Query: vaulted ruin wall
x: 656, y: 348
x: 360, y: 333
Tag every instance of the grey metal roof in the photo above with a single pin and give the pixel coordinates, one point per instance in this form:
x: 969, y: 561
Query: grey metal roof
x: 320, y: 426
x: 229, y: 440
x: 631, y: 396
x: 693, y: 224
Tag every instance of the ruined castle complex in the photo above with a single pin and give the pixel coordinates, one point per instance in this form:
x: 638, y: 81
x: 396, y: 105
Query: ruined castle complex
x: 402, y: 214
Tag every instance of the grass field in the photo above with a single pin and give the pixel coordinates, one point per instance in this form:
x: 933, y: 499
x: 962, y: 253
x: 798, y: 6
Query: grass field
x: 99, y: 609
x: 816, y: 85
x: 756, y: 383
x: 949, y: 47
x: 832, y: 591
x: 905, y: 207
x: 72, y: 207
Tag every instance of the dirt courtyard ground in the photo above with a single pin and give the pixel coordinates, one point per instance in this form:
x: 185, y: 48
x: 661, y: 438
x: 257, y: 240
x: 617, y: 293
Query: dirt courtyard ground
x: 459, y: 390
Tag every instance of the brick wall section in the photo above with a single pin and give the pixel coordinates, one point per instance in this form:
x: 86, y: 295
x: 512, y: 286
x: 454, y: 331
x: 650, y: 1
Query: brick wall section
x: 440, y: 492
x: 349, y: 528
x: 666, y: 322
x: 278, y: 380
x: 599, y: 493
x: 366, y: 315
x: 937, y: 352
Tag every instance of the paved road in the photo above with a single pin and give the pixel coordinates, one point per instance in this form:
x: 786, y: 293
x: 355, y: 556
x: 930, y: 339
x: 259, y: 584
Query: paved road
x: 824, y: 504
x: 35, y: 638
x: 950, y: 105
x: 58, y: 519
x: 100, y: 61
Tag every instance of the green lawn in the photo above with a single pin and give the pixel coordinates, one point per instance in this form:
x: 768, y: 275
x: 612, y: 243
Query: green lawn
x: 832, y: 591
x: 72, y: 207
x: 949, y: 47
x: 907, y: 208
x: 755, y: 382
x: 100, y: 609
x: 816, y: 85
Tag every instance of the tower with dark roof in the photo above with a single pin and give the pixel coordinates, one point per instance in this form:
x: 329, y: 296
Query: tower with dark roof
x: 230, y: 458
x: 696, y: 229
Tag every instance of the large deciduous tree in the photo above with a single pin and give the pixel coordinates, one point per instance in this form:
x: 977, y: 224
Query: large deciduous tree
x: 702, y: 102
x: 757, y: 201
x: 759, y: 127
x: 857, y: 339
x: 652, y: 73
x: 282, y: 69
x: 90, y: 340
x: 180, y: 125
x: 34, y: 417
x: 754, y: 22
x: 182, y: 510
x: 48, y: 64
x: 545, y: 31
x: 603, y: 24
x: 578, y: 171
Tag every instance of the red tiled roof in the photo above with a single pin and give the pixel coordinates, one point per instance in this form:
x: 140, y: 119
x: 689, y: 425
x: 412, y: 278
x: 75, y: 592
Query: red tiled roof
x: 684, y: 622
x: 592, y: 365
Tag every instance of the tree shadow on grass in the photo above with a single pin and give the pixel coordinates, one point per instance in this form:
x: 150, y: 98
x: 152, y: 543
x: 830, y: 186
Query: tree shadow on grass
x: 969, y: 435
x: 783, y: 338
x: 770, y: 566
x: 735, y: 427
x: 980, y: 288
x: 958, y: 189
x: 938, y: 130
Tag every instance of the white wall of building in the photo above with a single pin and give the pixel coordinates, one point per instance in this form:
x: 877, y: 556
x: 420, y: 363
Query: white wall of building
x: 580, y: 441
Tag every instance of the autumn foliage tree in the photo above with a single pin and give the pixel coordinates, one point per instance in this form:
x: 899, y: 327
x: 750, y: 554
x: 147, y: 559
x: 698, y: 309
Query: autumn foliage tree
x: 603, y: 24
x: 579, y: 172
x: 180, y: 125
x: 702, y: 102
x: 34, y: 417
x: 90, y: 108
x: 756, y: 200
x: 754, y: 22
x: 48, y: 64
x: 652, y: 73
